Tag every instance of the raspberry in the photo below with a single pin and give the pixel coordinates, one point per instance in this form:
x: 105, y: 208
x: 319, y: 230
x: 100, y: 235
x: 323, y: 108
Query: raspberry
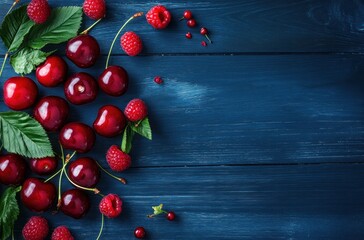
x: 111, y: 205
x: 94, y: 9
x: 136, y: 110
x: 117, y: 159
x: 62, y: 233
x: 159, y: 17
x: 39, y: 11
x: 131, y: 43
x: 35, y: 229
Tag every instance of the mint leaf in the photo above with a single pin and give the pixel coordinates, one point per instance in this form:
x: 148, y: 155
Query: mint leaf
x: 9, y: 211
x: 23, y: 135
x: 27, y: 59
x: 15, y: 27
x: 143, y: 128
x: 126, y: 143
x: 62, y: 25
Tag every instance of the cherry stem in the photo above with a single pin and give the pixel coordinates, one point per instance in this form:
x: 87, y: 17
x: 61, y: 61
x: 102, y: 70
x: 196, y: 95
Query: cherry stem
x: 3, y: 65
x: 94, y: 190
x: 181, y: 18
x: 90, y: 27
x: 101, y: 228
x: 117, y: 34
x: 153, y: 215
x: 12, y: 6
x: 55, y: 174
x: 120, y: 179
x: 208, y: 38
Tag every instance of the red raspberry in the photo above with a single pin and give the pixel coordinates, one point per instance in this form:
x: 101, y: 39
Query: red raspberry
x: 39, y: 11
x: 94, y: 9
x: 159, y: 17
x: 131, y: 43
x: 111, y: 205
x: 136, y: 110
x: 117, y: 159
x: 36, y: 228
x: 62, y: 233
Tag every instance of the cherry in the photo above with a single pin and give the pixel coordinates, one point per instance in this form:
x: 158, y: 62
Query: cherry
x: 12, y: 169
x: 51, y: 112
x: 52, y: 72
x: 171, y: 216
x: 114, y: 80
x: 203, y: 43
x: 188, y: 35
x: 37, y: 195
x: 80, y: 88
x: 110, y: 121
x: 191, y: 23
x: 204, y: 31
x: 84, y: 172
x: 77, y: 136
x: 43, y: 166
x: 20, y: 93
x: 139, y: 232
x: 187, y: 14
x: 75, y: 203
x: 158, y: 80
x: 83, y: 50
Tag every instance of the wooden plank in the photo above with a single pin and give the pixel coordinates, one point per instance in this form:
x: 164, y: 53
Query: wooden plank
x: 266, y: 202
x: 241, y: 109
x: 239, y: 26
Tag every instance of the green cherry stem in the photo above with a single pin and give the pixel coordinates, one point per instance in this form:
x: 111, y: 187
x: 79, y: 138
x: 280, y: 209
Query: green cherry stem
x: 102, y: 227
x: 3, y: 65
x: 117, y: 34
x: 55, y: 174
x: 12, y: 6
x: 120, y: 179
x: 90, y: 27
x: 94, y: 190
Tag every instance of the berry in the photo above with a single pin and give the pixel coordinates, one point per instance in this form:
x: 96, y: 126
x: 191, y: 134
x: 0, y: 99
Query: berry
x: 136, y: 110
x: 110, y: 121
x: 188, y: 35
x: 20, y: 93
x: 159, y: 17
x: 203, y: 43
x: 80, y: 88
x: 77, y: 136
x: 75, y: 203
x: 94, y: 9
x: 204, y: 31
x: 187, y: 15
x: 191, y: 23
x: 111, y: 205
x: 117, y: 159
x: 83, y: 50
x: 85, y: 172
x: 39, y: 11
x: 52, y: 72
x: 61, y: 233
x: 43, y: 166
x: 114, y: 81
x: 36, y: 229
x: 158, y: 80
x: 139, y: 232
x: 131, y: 43
x: 12, y: 169
x: 37, y: 195
x: 171, y: 216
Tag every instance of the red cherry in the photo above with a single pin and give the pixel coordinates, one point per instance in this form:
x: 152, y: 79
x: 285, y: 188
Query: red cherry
x: 52, y: 72
x: 83, y: 50
x: 139, y: 232
x: 158, y: 80
x: 75, y: 203
x: 191, y: 23
x: 80, y: 88
x: 204, y: 31
x: 12, y: 169
x: 171, y: 216
x: 77, y: 136
x: 188, y: 35
x: 85, y: 172
x: 187, y: 14
x: 203, y: 43
x: 37, y: 195
x: 43, y: 166
x: 51, y: 112
x: 110, y: 121
x: 20, y: 93
x: 114, y: 81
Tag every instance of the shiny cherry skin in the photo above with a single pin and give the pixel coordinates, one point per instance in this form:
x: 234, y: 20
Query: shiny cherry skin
x: 77, y: 136
x: 37, y: 195
x: 83, y: 50
x: 191, y: 23
x: 110, y: 121
x: 75, y: 203
x: 114, y: 81
x: 43, y: 166
x: 85, y: 172
x: 80, y: 88
x: 187, y: 14
x: 139, y: 232
x: 51, y: 112
x: 171, y: 216
x: 52, y: 72
x: 20, y: 93
x: 12, y: 169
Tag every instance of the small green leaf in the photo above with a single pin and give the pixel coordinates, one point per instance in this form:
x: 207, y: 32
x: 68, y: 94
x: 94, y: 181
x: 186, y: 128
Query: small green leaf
x: 143, y: 128
x: 15, y: 27
x: 23, y: 135
x: 126, y: 143
x: 158, y: 209
x: 9, y: 211
x: 62, y: 25
x: 26, y: 60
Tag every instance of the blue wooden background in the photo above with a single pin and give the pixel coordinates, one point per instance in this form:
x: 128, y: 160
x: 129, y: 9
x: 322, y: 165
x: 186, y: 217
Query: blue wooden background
x: 257, y: 136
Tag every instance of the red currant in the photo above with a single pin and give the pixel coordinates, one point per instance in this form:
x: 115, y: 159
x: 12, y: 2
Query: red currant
x: 191, y: 23
x: 187, y: 15
x: 139, y: 232
x: 171, y: 216
x: 188, y: 35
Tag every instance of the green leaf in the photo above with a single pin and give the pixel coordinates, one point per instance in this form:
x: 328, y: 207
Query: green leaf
x: 158, y: 209
x: 62, y: 25
x: 27, y: 59
x: 15, y: 27
x: 126, y: 143
x: 23, y: 135
x: 9, y: 211
x: 143, y: 128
